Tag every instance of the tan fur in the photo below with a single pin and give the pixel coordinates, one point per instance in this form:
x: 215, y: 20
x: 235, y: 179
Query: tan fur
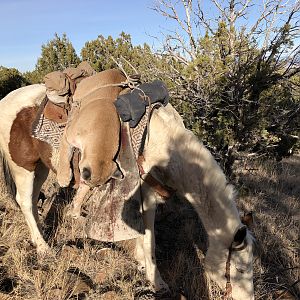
x: 94, y: 129
x: 93, y: 86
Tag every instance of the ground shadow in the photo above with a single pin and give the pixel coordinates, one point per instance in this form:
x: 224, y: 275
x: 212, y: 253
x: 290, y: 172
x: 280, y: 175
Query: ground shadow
x: 179, y: 234
x: 53, y: 213
x: 272, y: 190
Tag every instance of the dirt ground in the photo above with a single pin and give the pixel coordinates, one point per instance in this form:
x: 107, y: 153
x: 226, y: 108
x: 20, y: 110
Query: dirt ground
x: 88, y: 269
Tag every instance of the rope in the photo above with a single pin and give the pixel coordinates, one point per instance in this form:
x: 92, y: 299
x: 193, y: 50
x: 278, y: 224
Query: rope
x: 232, y: 248
x: 228, y: 290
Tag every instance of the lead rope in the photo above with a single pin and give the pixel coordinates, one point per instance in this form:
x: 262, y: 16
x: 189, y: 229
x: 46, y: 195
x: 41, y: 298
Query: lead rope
x: 228, y: 289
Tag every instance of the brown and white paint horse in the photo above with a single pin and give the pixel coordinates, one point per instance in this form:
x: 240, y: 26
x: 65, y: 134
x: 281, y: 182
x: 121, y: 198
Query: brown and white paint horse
x: 174, y: 156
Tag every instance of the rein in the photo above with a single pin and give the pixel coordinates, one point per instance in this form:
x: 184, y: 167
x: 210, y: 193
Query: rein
x: 232, y: 248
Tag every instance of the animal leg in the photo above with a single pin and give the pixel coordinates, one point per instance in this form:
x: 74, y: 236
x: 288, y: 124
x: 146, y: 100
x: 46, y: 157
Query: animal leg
x: 41, y: 174
x: 139, y: 254
x: 64, y: 172
x: 24, y: 181
x: 149, y: 207
x: 78, y: 200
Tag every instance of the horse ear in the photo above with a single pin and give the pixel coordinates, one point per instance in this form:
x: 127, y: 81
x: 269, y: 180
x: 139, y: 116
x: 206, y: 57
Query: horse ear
x: 247, y: 219
x: 117, y: 174
x: 240, y: 235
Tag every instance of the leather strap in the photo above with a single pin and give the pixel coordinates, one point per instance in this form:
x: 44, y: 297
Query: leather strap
x: 232, y: 248
x: 164, y: 191
x: 55, y: 112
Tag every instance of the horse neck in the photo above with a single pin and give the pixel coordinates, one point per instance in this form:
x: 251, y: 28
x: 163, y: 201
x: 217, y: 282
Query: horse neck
x: 205, y: 186
x: 189, y: 168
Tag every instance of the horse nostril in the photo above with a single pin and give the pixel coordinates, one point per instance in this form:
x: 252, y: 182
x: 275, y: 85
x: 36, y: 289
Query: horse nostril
x: 86, y: 174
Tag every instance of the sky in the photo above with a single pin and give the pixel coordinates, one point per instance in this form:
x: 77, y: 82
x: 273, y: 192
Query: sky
x: 25, y: 25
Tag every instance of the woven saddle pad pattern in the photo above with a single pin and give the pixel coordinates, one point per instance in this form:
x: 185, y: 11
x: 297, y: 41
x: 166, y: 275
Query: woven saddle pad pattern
x: 48, y: 131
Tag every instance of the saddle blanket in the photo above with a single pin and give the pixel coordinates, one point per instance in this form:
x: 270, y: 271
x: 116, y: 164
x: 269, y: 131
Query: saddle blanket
x: 48, y: 131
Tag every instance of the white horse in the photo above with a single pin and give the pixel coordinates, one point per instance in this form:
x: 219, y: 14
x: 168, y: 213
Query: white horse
x: 175, y: 157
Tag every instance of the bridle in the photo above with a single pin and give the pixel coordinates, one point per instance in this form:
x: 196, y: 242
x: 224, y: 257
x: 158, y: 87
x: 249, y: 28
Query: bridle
x: 233, y: 248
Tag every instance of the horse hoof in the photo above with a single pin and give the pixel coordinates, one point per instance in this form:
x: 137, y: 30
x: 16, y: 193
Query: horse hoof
x: 43, y: 248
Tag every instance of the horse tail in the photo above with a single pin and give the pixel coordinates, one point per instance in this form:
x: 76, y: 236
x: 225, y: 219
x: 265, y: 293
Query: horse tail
x: 6, y: 175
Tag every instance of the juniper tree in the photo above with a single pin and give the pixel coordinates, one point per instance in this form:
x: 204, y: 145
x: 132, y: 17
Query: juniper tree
x: 227, y: 67
x: 10, y: 79
x: 56, y: 55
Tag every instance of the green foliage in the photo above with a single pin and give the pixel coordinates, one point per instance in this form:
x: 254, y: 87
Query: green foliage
x: 103, y: 53
x: 237, y: 92
x: 57, y: 54
x: 238, y: 85
x: 99, y: 52
x: 33, y: 77
x: 10, y: 79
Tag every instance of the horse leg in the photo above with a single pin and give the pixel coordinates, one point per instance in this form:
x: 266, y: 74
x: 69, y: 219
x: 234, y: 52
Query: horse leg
x: 78, y: 200
x: 148, y: 240
x: 139, y: 253
x: 64, y: 172
x: 26, y: 192
x: 41, y: 174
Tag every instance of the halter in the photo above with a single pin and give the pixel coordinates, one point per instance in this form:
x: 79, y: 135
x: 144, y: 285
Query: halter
x: 232, y: 248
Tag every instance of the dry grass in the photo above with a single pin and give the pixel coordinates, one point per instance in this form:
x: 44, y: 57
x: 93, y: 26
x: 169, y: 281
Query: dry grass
x: 86, y: 269
x: 272, y: 191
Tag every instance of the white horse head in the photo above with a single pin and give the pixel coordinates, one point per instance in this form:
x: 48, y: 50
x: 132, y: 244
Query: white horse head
x: 232, y: 268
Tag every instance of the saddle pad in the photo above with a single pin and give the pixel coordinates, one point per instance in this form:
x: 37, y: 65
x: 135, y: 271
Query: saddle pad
x: 48, y: 131
x: 116, y: 208
x: 139, y: 132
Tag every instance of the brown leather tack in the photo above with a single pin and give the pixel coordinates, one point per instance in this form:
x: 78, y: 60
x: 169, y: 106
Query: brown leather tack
x: 55, y: 112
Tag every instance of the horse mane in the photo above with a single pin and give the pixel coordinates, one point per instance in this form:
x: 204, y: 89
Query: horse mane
x: 210, y: 174
x: 7, y: 176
